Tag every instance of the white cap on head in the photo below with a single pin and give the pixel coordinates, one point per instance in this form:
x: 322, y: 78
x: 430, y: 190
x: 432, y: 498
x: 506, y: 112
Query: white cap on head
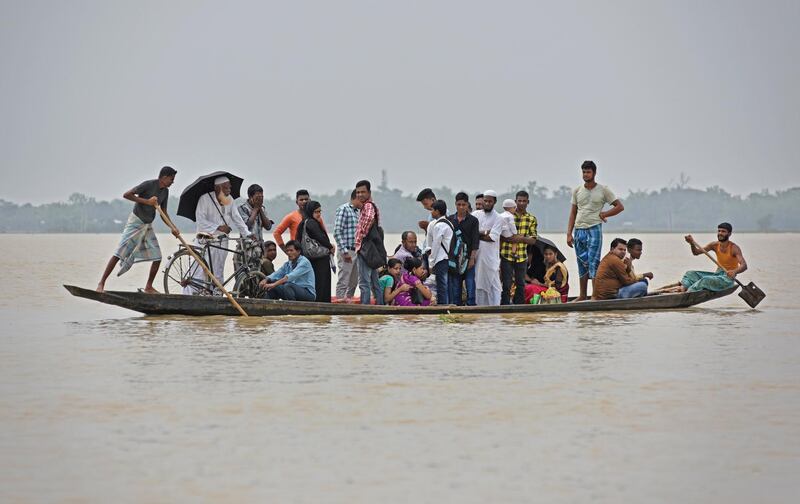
x: 489, y: 192
x: 221, y: 180
x: 509, y: 203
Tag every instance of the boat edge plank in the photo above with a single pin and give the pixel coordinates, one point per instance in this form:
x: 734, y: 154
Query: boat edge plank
x: 179, y: 304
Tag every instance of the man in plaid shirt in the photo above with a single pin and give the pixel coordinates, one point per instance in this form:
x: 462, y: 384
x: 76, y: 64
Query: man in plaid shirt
x: 344, y: 232
x: 367, y: 277
x: 513, y: 267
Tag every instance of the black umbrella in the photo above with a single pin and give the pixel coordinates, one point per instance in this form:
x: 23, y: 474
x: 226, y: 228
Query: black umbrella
x: 536, y: 268
x: 187, y: 205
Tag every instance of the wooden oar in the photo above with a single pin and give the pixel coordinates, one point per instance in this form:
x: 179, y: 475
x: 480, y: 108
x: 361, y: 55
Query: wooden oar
x: 202, y: 263
x: 751, y: 294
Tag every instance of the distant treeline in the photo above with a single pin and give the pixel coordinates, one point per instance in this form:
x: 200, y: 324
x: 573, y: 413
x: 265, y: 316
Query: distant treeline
x: 677, y: 208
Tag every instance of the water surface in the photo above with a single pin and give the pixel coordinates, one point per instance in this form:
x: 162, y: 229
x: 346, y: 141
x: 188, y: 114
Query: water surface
x: 101, y: 404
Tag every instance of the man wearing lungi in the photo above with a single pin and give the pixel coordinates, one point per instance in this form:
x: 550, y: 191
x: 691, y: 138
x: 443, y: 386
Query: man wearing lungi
x: 139, y: 242
x: 586, y: 218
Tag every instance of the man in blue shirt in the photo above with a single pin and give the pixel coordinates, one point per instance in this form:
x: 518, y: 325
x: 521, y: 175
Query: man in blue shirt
x: 294, y: 281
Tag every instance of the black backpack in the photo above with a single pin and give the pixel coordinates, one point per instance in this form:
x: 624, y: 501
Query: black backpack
x: 457, y: 255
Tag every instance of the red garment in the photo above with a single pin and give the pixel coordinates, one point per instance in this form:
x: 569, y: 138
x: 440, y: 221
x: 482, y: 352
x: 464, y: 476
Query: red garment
x: 533, y: 289
x: 365, y: 220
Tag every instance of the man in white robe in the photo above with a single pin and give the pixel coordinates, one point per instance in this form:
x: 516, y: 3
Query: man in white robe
x: 488, y: 287
x: 215, y: 215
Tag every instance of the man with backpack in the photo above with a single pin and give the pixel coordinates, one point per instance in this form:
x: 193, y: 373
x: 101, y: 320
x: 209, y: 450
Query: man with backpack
x: 467, y: 238
x: 439, y: 242
x: 369, y: 245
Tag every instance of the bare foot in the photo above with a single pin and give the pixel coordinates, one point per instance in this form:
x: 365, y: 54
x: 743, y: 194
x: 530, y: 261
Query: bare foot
x: 150, y: 290
x: 100, y: 288
x: 579, y: 299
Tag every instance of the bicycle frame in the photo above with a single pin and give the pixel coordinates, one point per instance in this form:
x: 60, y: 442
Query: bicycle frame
x: 204, y: 251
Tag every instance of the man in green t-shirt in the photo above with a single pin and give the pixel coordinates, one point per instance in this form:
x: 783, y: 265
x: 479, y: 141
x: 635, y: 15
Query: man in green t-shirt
x: 586, y: 218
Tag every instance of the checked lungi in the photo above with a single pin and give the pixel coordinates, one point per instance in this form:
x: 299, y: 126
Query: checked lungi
x: 588, y: 243
x: 138, y: 244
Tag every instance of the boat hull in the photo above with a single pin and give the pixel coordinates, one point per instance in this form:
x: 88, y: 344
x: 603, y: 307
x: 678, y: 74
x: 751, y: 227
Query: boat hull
x: 178, y: 304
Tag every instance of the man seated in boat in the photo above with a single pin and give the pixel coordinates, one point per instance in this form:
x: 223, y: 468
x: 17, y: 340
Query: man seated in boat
x: 268, y: 259
x: 408, y: 248
x: 613, y: 275
x: 635, y: 249
x: 294, y: 281
x: 729, y: 255
x: 555, y: 276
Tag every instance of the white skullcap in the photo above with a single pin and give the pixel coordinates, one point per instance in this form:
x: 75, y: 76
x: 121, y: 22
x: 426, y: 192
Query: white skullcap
x: 509, y: 203
x: 221, y: 180
x: 489, y: 192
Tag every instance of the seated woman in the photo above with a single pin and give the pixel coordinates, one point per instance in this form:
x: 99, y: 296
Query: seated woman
x: 555, y: 276
x: 390, y: 281
x: 417, y: 294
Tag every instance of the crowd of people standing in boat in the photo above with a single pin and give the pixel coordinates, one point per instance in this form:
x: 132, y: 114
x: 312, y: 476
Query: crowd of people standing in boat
x: 468, y: 254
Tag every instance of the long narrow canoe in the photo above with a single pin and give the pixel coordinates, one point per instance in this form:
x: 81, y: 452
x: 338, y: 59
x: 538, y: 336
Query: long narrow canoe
x: 179, y: 304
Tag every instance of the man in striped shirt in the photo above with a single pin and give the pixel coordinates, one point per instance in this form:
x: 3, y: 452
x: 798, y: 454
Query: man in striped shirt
x: 344, y: 232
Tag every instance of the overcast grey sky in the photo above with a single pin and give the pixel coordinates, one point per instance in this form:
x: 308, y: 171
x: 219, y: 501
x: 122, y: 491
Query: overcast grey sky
x: 97, y: 96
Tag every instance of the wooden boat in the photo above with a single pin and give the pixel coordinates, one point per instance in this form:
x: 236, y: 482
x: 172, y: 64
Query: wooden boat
x: 179, y: 304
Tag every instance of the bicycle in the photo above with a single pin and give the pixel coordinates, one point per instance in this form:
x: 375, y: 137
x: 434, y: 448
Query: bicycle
x: 182, y: 268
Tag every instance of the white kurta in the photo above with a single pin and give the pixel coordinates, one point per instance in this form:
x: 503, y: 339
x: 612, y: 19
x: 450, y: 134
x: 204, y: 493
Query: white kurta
x: 487, y: 264
x: 210, y: 215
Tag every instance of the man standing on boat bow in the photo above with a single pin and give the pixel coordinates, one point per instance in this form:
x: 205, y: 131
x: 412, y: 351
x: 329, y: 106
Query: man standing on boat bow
x: 139, y: 242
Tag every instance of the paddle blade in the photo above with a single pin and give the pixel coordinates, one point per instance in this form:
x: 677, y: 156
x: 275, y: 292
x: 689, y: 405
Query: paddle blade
x: 751, y: 294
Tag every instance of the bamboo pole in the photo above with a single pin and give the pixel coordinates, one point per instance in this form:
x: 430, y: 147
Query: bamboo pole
x: 202, y: 263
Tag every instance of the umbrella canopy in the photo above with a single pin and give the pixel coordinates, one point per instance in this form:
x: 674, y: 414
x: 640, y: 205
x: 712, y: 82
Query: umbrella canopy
x: 187, y: 205
x: 536, y: 268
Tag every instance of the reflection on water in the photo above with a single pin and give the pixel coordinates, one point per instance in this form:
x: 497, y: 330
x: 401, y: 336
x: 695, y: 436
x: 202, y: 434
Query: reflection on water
x: 98, y: 402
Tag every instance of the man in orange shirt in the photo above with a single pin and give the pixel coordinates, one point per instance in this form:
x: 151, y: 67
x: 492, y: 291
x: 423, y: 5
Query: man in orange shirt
x: 292, y: 220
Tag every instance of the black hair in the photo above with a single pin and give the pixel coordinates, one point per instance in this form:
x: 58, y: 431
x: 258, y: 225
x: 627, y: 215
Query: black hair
x: 462, y: 196
x: 426, y: 193
x: 167, y: 171
x: 726, y: 226
x: 255, y: 188
x: 301, y: 192
x: 392, y: 262
x: 633, y: 242
x: 269, y: 243
x: 478, y: 196
x: 411, y: 263
x: 440, y: 206
x: 589, y: 165
x: 550, y: 248
x: 293, y: 243
x: 310, y: 207
x: 353, y: 195
x: 524, y: 194
x: 405, y: 234
x: 364, y: 183
x: 617, y: 241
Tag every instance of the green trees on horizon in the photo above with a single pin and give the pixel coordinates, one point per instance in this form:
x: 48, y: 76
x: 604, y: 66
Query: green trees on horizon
x: 676, y: 208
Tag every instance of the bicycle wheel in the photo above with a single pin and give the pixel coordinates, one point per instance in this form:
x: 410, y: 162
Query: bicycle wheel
x: 247, y: 284
x: 180, y: 272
